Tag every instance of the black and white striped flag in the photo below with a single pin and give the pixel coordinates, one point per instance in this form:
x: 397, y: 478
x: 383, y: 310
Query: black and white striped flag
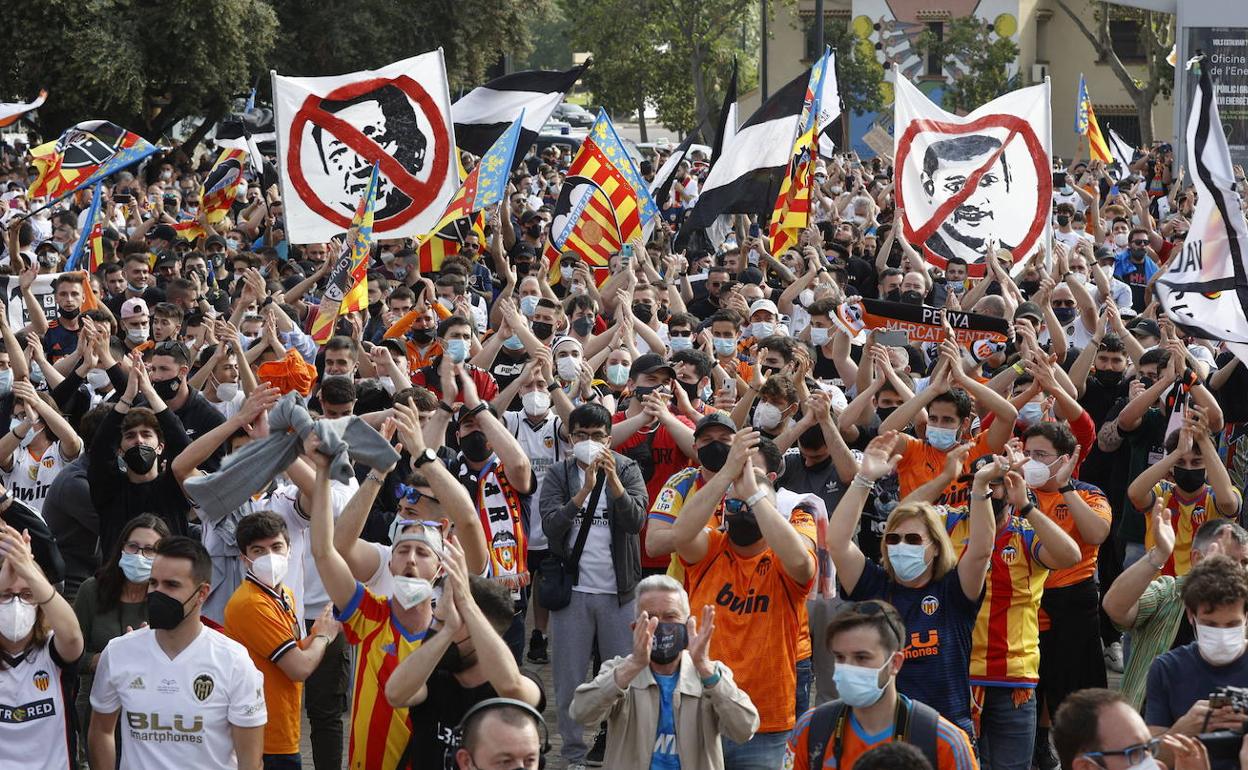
x: 1205, y: 288
x: 484, y: 113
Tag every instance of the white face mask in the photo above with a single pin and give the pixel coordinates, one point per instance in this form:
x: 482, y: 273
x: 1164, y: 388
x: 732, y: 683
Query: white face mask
x: 136, y: 336
x: 587, y: 451
x: 767, y: 416
x: 566, y: 272
x: 410, y: 591
x: 536, y: 402
x: 270, y: 569
x: 227, y: 391
x: 819, y: 336
x: 568, y: 367
x: 805, y: 297
x: 1220, y: 646
x: 1035, y: 473
x: 762, y: 329
x: 1120, y: 240
x: 16, y: 620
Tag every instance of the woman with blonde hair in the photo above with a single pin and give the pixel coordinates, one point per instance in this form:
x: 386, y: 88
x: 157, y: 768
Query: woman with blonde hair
x: 40, y: 646
x: 936, y: 593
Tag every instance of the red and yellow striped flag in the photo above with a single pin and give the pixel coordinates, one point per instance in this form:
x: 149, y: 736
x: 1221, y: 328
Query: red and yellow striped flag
x: 791, y: 214
x: 347, y: 288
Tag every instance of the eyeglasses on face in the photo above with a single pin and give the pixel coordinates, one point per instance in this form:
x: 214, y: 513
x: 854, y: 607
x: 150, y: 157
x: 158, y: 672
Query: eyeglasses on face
x: 25, y: 597
x: 137, y: 549
x: 582, y: 435
x: 1139, y: 243
x: 1035, y: 454
x: 909, y: 538
x: 1132, y: 754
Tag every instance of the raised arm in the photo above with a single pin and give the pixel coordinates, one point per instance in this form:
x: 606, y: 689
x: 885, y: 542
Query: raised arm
x: 790, y: 547
x: 1122, y: 600
x: 335, y: 574
x: 878, y: 460
x: 509, y: 451
x: 688, y: 533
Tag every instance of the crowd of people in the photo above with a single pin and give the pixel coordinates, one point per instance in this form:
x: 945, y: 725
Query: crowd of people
x: 738, y: 533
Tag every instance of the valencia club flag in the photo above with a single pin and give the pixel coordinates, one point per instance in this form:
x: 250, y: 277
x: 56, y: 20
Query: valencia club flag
x: 347, y: 289
x: 217, y: 193
x: 447, y: 241
x: 604, y: 202
x: 83, y: 155
x: 1086, y: 125
x: 791, y: 213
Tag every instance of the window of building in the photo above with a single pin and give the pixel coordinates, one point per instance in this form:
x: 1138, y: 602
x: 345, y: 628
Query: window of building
x: 1127, y: 42
x: 935, y: 66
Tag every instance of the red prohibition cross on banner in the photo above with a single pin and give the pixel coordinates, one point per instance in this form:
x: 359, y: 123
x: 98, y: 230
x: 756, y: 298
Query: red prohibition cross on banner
x: 418, y: 193
x: 1019, y: 198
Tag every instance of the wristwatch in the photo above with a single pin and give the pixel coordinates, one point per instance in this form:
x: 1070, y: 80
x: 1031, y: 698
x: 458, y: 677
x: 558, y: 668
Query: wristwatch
x: 426, y: 456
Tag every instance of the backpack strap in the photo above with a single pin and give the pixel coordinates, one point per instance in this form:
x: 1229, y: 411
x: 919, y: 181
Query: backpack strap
x: 919, y: 729
x: 823, y: 721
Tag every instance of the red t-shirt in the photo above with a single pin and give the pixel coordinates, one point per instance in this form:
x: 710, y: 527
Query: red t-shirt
x: 428, y: 378
x: 659, y: 456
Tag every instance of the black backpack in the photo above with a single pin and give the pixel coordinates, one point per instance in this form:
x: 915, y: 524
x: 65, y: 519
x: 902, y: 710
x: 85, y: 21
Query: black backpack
x: 915, y: 725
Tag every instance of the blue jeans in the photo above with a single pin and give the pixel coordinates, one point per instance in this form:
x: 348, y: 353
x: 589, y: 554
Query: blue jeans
x: 1006, y: 732
x: 765, y: 751
x: 805, y: 677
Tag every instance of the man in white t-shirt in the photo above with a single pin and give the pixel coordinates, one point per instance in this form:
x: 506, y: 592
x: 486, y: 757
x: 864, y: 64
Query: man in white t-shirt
x: 188, y: 697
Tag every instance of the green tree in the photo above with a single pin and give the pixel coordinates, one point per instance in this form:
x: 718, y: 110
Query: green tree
x: 143, y: 66
x: 327, y: 38
x: 1156, y: 34
x: 979, y: 59
x: 858, y: 72
x: 552, y: 42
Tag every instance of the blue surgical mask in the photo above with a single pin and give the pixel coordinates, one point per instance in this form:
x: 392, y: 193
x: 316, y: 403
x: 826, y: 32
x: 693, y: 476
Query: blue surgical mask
x: 6, y: 381
x: 908, y: 561
x: 617, y: 374
x: 528, y: 305
x: 858, y: 686
x: 513, y: 343
x: 819, y: 336
x: 681, y: 343
x: 1065, y: 314
x: 1030, y: 414
x: 457, y: 350
x: 725, y: 346
x: 942, y: 438
x: 761, y: 329
x: 707, y: 393
x: 135, y: 567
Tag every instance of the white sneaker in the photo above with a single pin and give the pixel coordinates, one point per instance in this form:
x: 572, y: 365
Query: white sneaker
x: 577, y: 766
x: 1113, y: 657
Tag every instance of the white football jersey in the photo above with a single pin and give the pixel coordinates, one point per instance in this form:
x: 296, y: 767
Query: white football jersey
x: 177, y: 713
x: 34, y: 730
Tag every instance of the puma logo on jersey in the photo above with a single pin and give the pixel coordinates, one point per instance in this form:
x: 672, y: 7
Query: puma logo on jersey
x: 742, y: 605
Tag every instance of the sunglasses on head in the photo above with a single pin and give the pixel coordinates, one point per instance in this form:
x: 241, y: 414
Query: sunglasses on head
x: 414, y: 496
x: 910, y: 538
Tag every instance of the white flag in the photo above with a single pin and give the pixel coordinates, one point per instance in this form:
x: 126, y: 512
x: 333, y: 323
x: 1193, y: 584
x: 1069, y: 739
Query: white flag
x: 966, y: 180
x: 330, y: 131
x: 1205, y: 288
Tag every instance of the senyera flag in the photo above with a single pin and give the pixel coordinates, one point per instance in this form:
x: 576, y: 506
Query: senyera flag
x: 332, y: 131
x: 967, y: 180
x: 1205, y: 288
x: 347, y: 288
x: 217, y: 193
x: 791, y: 212
x: 1086, y: 125
x: 9, y: 113
x: 604, y: 202
x: 83, y: 155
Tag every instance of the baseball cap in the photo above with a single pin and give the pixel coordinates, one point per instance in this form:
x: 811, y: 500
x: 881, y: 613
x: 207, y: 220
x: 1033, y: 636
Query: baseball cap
x: 1146, y: 327
x: 132, y: 308
x: 713, y: 419
x: 648, y: 364
x: 1029, y: 310
x: 163, y: 232
x: 764, y: 304
x: 215, y: 240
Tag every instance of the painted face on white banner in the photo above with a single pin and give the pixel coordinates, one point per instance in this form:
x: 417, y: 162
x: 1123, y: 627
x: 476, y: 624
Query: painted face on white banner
x: 947, y: 166
x: 385, y: 117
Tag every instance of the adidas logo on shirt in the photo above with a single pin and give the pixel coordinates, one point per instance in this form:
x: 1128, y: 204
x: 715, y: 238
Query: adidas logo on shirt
x: 137, y: 684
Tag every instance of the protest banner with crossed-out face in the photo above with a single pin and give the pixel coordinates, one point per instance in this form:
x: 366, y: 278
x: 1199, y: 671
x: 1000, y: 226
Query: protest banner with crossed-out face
x: 965, y: 181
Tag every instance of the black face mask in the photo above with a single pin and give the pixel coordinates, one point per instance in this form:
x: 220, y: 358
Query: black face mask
x: 474, y: 446
x: 140, y: 458
x: 643, y: 312
x: 1029, y: 287
x: 668, y: 641
x: 533, y: 231
x: 165, y: 613
x: 453, y: 661
x: 1190, y: 480
x: 167, y: 389
x: 1109, y: 378
x: 912, y: 297
x: 713, y: 455
x: 691, y: 390
x: 768, y: 370
x: 1136, y: 255
x: 1147, y: 381
x: 583, y: 325
x: 644, y: 390
x: 884, y: 411
x: 664, y: 314
x: 543, y: 330
x: 1063, y: 220
x: 70, y: 314
x: 893, y: 295
x: 523, y: 268
x: 998, y: 506
x: 743, y: 529
x: 424, y: 336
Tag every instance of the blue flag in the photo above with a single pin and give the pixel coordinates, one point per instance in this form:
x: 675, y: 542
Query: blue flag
x: 76, y: 257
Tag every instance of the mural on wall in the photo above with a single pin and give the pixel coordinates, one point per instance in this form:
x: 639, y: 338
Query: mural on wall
x: 890, y: 31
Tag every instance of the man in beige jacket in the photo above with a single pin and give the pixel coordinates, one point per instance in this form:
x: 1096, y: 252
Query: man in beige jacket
x: 667, y: 704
